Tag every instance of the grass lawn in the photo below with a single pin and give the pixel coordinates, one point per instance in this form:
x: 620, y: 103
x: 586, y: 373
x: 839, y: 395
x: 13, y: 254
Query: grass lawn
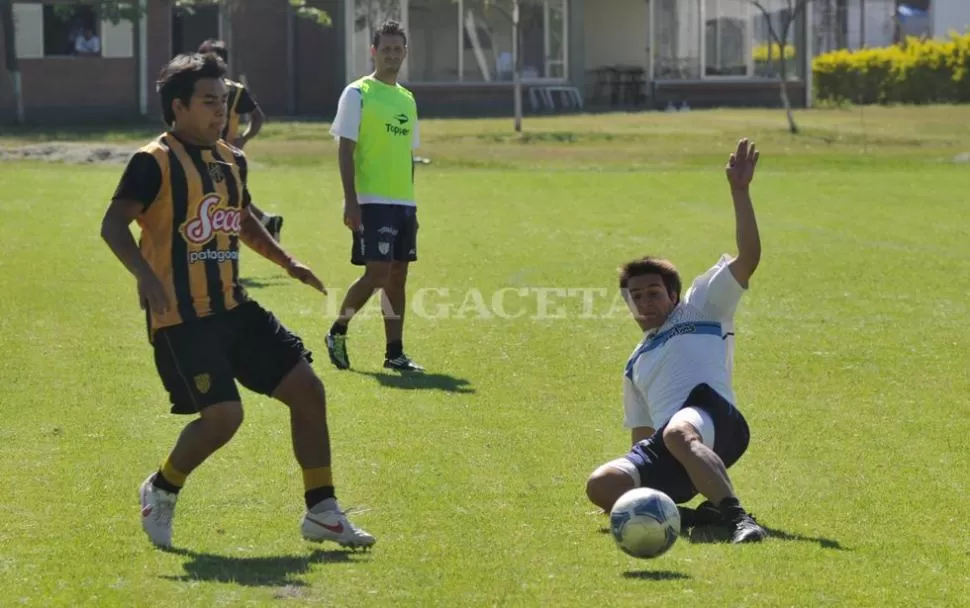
x: 851, y: 367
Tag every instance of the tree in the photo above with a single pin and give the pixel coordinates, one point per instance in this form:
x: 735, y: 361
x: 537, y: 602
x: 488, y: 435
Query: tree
x: 780, y: 36
x: 301, y: 7
x: 116, y: 11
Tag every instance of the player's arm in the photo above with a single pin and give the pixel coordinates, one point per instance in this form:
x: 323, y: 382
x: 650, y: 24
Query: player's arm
x: 116, y: 233
x: 346, y: 128
x: 345, y: 160
x: 636, y: 416
x: 740, y: 172
x: 138, y: 188
x: 254, y: 235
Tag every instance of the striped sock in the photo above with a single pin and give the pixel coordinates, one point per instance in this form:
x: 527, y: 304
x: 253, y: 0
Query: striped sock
x: 318, y: 485
x: 169, y: 478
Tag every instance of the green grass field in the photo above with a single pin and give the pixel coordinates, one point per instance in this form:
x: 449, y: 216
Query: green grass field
x: 851, y: 368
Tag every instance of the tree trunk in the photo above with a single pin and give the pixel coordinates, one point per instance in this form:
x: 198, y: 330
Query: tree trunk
x: 10, y: 52
x: 783, y: 71
x: 786, y: 103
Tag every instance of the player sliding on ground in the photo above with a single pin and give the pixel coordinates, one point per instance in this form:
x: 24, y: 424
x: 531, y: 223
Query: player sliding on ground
x: 677, y: 395
x: 187, y: 191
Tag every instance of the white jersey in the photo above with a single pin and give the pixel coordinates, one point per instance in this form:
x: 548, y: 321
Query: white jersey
x: 694, y: 346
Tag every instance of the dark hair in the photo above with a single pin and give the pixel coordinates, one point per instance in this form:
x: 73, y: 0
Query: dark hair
x: 177, y: 79
x: 650, y: 265
x: 215, y: 46
x: 389, y: 28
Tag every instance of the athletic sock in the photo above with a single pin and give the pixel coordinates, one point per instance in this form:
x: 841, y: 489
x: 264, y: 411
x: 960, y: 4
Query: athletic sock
x: 338, y: 330
x: 318, y: 485
x: 169, y: 478
x: 394, y: 349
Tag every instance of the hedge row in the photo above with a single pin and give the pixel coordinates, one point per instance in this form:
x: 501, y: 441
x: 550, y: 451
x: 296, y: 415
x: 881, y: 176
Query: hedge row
x: 916, y: 71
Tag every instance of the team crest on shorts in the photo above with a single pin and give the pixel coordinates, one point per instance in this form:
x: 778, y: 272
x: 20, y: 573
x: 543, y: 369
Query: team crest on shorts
x: 203, y: 382
x: 384, y: 247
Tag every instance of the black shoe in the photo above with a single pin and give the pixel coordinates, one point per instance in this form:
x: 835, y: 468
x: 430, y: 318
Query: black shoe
x: 402, y: 364
x: 274, y: 225
x: 707, y: 514
x: 747, y: 530
x: 704, y: 515
x: 337, y: 349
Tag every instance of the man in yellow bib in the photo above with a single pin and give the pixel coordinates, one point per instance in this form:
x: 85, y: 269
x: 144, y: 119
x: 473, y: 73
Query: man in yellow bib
x: 377, y: 127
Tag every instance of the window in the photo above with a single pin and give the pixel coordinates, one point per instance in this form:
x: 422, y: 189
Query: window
x: 727, y: 36
x: 677, y: 39
x: 190, y: 28
x: 701, y: 39
x: 368, y: 17
x: 466, y: 40
x: 433, y: 40
x: 487, y: 46
x: 543, y: 32
x: 766, y: 51
x: 64, y: 25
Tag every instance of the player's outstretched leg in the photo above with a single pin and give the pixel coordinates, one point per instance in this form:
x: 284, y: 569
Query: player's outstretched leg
x: 709, y: 475
x: 200, y: 438
x: 303, y: 392
x: 608, y: 483
x: 374, y: 277
x: 157, y: 510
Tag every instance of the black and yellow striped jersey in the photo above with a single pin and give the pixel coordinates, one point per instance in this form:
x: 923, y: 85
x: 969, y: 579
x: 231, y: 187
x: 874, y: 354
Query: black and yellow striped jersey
x: 193, y: 198
x: 239, y: 102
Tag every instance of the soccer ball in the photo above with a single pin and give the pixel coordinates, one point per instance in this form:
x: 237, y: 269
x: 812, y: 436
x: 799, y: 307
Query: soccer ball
x: 645, y: 523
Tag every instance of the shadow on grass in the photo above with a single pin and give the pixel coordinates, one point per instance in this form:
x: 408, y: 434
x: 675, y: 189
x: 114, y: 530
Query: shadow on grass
x: 267, y: 571
x: 656, y: 575
x: 258, y: 283
x: 421, y: 381
x: 722, y: 534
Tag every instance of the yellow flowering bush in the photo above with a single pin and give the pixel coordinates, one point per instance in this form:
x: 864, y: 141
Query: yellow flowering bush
x: 916, y: 71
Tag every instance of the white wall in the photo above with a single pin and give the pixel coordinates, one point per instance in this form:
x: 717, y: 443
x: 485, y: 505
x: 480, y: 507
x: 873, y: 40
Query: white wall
x: 616, y: 33
x: 949, y: 15
x: 28, y: 21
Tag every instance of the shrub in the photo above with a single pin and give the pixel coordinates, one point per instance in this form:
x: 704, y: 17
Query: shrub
x: 915, y: 71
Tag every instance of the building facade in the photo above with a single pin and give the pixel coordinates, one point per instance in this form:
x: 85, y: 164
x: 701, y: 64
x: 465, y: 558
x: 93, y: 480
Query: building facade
x: 292, y: 65
x: 597, y: 53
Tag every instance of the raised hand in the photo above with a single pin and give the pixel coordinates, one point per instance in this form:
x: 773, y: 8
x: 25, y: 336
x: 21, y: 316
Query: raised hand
x: 740, y: 167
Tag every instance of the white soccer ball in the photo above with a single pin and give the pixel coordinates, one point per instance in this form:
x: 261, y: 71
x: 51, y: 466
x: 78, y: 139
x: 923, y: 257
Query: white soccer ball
x: 645, y: 523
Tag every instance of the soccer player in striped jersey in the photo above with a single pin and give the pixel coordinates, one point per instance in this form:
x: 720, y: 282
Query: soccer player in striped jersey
x: 678, y: 400
x: 187, y: 192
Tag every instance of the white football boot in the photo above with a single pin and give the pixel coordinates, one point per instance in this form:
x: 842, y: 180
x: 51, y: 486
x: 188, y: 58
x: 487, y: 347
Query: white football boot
x: 157, y: 509
x: 327, y: 522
